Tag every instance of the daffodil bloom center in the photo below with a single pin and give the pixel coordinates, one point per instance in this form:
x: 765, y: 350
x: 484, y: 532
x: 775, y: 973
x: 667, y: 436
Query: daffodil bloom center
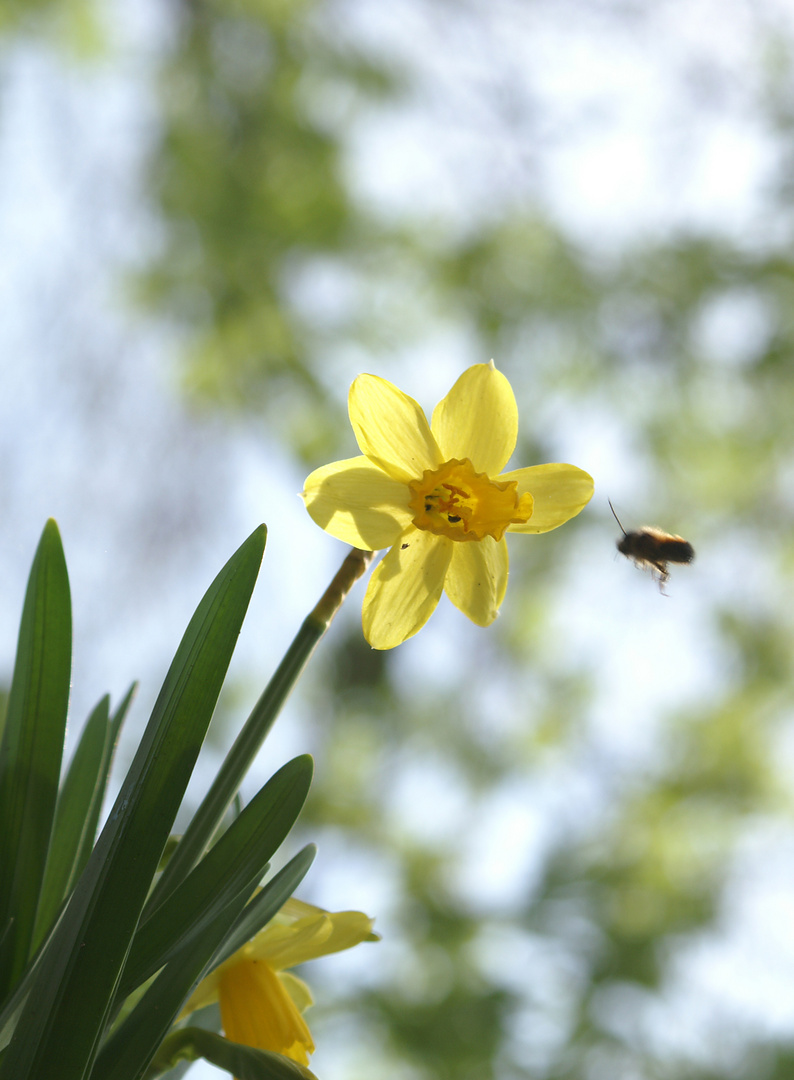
x: 457, y: 502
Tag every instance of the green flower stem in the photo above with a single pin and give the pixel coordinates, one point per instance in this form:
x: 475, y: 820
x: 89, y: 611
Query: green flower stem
x: 349, y: 572
x: 217, y: 800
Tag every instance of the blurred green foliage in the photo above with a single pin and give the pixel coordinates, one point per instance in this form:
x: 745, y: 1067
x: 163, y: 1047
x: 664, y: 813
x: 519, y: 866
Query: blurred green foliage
x: 72, y: 24
x: 251, y: 185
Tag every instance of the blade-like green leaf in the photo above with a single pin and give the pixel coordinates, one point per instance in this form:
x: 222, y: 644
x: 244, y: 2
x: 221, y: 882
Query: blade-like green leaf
x: 257, y: 913
x: 89, y: 834
x: 72, y: 814
x: 135, y: 1042
x: 243, y: 851
x: 78, y: 808
x: 127, y: 1053
x: 13, y: 1004
x: 244, y: 1062
x: 224, y: 787
x: 65, y: 1016
x: 3, y: 710
x: 266, y: 903
x: 31, y: 751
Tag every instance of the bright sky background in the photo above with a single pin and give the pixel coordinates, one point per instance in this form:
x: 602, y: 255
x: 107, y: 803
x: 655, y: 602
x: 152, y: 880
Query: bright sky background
x: 93, y: 430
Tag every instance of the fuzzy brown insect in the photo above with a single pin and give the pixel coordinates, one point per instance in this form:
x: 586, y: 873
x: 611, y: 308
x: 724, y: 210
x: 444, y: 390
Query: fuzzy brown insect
x: 651, y: 549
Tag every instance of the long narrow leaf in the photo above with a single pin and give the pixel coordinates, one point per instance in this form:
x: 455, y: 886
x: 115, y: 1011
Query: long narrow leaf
x: 248, y: 843
x: 89, y: 834
x: 244, y: 1062
x: 266, y: 903
x: 78, y: 808
x: 246, y: 746
x: 128, y: 1052
x: 12, y: 1006
x: 215, y: 803
x: 31, y: 751
x: 257, y: 913
x: 73, y: 814
x: 136, y: 1041
x: 65, y: 1016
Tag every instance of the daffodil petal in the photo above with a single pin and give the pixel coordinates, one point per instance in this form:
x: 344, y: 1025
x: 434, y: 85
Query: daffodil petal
x: 293, y: 909
x: 346, y: 929
x: 257, y: 1010
x: 278, y: 944
x: 275, y: 944
x: 298, y: 932
x: 477, y: 579
x: 405, y: 588
x: 297, y: 990
x: 356, y: 502
x: 478, y: 419
x: 391, y: 429
x: 559, y: 491
x: 318, y: 933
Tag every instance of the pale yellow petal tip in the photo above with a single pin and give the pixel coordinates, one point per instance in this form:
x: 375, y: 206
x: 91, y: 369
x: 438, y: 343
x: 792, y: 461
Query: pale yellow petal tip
x: 483, y: 621
x: 376, y: 645
x: 383, y: 638
x: 587, y: 482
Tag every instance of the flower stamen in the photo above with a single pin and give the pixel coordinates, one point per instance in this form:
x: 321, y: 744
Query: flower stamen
x: 461, y: 504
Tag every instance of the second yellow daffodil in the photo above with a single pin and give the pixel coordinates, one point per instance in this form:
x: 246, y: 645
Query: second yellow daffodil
x: 262, y: 1003
x: 435, y: 494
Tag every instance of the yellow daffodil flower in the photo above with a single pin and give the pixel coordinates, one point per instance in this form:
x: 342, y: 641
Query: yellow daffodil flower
x: 261, y: 1003
x: 435, y: 494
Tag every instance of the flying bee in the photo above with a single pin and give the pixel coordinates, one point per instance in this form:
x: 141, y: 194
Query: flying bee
x: 651, y: 549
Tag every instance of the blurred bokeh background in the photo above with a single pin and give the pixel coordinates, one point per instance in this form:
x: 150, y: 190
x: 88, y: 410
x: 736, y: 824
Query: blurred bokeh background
x: 574, y: 828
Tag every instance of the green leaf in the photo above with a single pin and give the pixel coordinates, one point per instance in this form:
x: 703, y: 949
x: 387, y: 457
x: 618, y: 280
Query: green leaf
x: 12, y: 1006
x: 78, y: 808
x: 64, y: 1018
x: 31, y: 751
x: 135, y: 1043
x: 223, y: 789
x: 244, y: 1062
x: 240, y: 855
x: 89, y: 834
x: 127, y: 1053
x: 72, y: 815
x: 266, y: 903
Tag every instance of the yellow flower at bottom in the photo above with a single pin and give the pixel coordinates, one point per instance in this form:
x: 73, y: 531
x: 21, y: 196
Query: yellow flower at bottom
x: 436, y: 496
x: 261, y: 1003
x: 258, y: 1010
